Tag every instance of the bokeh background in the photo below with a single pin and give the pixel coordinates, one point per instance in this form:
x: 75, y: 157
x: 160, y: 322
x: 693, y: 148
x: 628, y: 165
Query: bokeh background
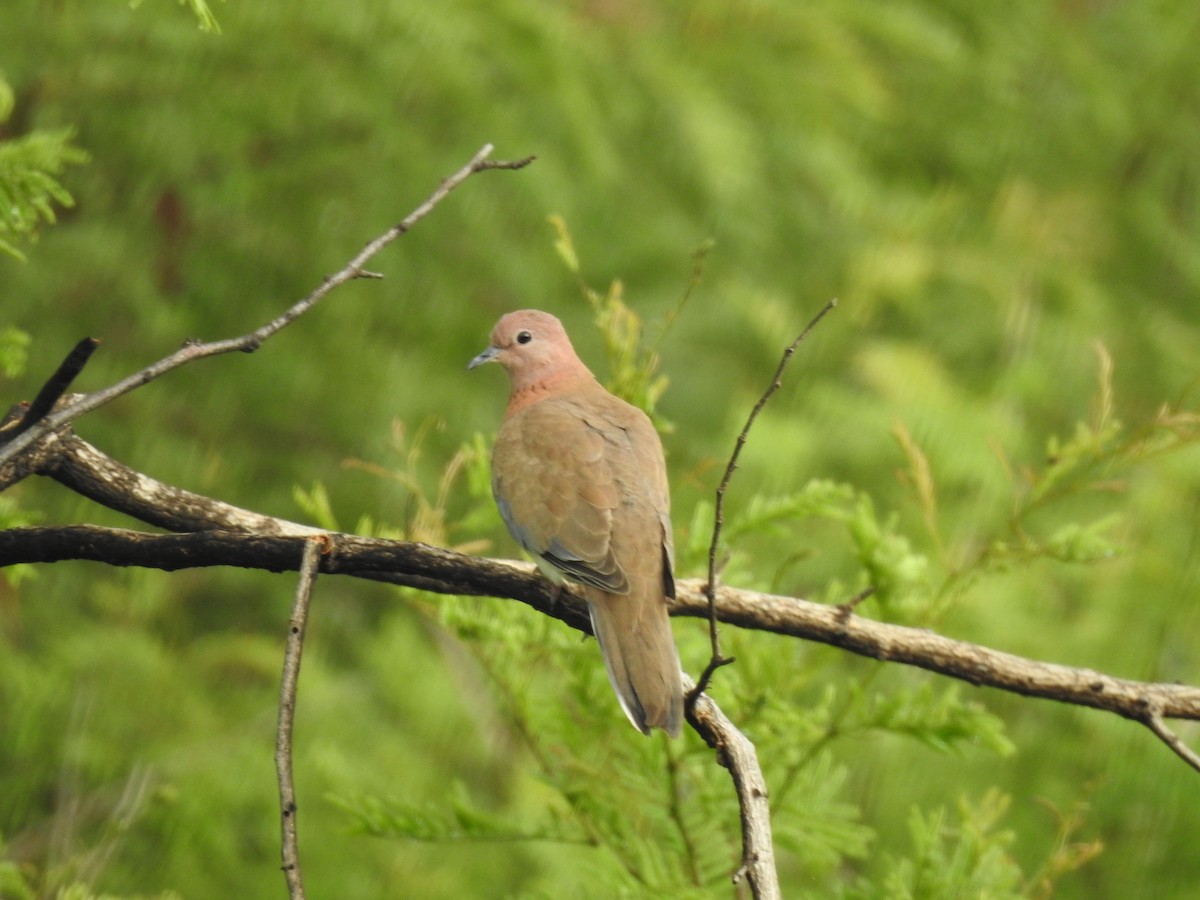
x: 1005, y: 198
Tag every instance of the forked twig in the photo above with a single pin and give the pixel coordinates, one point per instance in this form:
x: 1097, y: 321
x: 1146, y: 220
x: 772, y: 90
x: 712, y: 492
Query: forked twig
x: 717, y: 659
x: 1155, y: 722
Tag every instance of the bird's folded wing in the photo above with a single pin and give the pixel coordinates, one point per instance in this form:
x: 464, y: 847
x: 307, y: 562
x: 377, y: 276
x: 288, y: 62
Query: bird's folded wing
x: 560, y: 475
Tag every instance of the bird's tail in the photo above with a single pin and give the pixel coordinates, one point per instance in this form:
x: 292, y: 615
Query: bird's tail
x: 641, y: 658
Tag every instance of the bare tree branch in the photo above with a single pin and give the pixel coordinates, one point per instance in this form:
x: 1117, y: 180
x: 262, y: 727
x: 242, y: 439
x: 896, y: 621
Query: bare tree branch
x: 78, y: 465
x: 247, y: 343
x: 444, y: 571
x: 737, y: 754
x: 289, y: 844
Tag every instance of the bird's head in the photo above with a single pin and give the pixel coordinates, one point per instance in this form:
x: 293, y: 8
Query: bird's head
x: 533, y: 347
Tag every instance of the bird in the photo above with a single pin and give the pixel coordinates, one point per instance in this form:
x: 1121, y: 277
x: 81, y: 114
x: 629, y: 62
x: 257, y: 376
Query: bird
x: 580, y: 480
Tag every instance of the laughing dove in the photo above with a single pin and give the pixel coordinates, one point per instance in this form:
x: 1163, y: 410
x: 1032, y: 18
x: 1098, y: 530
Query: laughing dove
x: 579, y: 478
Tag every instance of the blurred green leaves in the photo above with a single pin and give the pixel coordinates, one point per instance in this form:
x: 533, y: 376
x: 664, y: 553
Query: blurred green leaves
x: 14, y: 351
x: 454, y: 817
x: 958, y: 855
x: 989, y: 190
x: 633, y: 365
x: 30, y: 168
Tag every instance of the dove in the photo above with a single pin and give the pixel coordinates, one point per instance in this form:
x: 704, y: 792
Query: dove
x: 579, y: 478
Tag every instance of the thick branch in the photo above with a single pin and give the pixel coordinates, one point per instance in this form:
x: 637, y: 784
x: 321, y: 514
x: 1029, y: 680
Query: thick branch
x: 736, y: 753
x: 85, y: 469
x: 972, y: 663
x: 445, y: 571
x: 403, y: 563
x: 78, y: 465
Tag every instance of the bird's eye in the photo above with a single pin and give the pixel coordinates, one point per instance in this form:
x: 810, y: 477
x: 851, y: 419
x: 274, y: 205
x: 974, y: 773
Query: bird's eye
x: 524, y: 337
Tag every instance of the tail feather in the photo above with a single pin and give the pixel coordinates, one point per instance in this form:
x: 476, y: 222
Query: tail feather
x: 641, y: 659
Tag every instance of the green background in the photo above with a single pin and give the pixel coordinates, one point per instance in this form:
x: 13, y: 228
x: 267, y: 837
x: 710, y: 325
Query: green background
x: 992, y: 192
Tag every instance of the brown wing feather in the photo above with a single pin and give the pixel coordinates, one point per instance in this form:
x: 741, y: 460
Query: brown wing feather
x: 556, y: 491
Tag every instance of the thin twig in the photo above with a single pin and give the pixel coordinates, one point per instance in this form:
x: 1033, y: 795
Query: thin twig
x: 1154, y: 721
x: 248, y: 343
x: 847, y: 609
x: 289, y: 850
x: 717, y: 659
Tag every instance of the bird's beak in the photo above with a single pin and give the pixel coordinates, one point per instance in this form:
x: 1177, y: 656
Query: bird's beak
x: 488, y: 355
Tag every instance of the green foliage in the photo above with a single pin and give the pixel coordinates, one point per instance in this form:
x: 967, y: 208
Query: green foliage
x: 14, y: 883
x: 963, y: 858
x: 452, y: 818
x: 884, y: 557
x: 14, y: 351
x: 425, y: 510
x: 966, y: 854
x: 646, y: 817
x: 633, y: 366
x: 19, y: 884
x: 939, y: 718
x: 30, y: 168
x: 989, y: 190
